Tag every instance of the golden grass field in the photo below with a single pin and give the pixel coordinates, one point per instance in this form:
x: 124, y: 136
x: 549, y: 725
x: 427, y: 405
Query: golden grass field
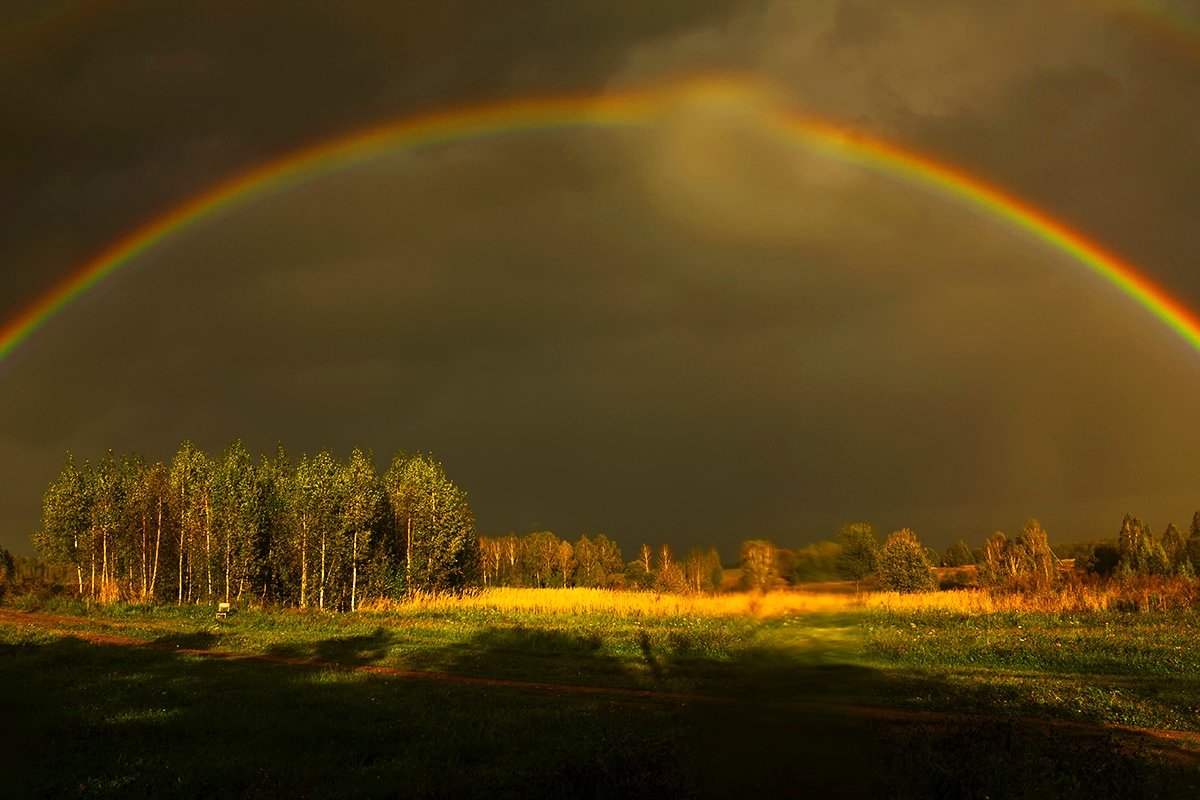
x: 820, y: 598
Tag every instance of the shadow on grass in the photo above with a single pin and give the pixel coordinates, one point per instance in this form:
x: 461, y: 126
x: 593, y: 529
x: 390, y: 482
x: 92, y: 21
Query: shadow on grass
x: 863, y: 731
x: 344, y: 650
x: 536, y: 655
x: 99, y: 720
x: 198, y: 640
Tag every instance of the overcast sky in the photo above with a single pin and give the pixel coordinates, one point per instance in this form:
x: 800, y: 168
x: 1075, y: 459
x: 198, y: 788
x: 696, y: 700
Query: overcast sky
x: 690, y: 333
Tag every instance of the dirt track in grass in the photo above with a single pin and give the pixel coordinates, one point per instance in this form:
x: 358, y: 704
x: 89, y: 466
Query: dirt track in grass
x: 1183, y: 745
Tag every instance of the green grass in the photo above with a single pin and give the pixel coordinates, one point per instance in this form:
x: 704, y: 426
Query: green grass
x: 771, y: 707
x: 1108, y: 668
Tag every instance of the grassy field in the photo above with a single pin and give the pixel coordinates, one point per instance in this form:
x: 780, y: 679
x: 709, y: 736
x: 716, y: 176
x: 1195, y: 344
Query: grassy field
x: 520, y: 693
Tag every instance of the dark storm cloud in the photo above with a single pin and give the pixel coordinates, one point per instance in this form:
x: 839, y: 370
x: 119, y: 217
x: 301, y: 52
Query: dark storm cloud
x: 694, y: 333
x: 108, y: 123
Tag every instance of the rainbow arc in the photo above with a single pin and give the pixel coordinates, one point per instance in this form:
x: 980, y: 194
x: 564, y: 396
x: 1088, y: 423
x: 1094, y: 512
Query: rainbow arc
x: 638, y: 109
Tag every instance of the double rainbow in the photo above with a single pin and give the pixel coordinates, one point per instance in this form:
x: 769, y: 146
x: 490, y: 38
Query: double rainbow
x: 622, y: 109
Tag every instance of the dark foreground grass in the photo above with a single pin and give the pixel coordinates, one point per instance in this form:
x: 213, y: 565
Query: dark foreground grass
x: 785, y: 707
x: 1107, y: 668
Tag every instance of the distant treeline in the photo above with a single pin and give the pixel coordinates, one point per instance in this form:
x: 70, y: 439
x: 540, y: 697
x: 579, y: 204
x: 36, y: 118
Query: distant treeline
x: 319, y: 532
x: 543, y: 559
x: 1025, y: 561
x: 314, y: 531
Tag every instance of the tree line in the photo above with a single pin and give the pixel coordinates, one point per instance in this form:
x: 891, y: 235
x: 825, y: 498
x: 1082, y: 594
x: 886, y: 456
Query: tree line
x: 319, y: 532
x: 1025, y: 561
x: 542, y: 559
x: 309, y: 532
x: 900, y: 563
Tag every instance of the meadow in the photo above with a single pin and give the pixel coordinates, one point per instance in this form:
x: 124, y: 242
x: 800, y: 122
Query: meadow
x: 577, y: 692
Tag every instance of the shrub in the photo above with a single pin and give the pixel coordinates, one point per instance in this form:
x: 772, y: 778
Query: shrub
x: 958, y: 555
x: 902, y: 565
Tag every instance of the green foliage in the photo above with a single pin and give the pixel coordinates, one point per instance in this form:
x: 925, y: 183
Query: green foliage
x: 1152, y: 559
x: 637, y: 576
x: 1103, y: 561
x: 7, y: 572
x: 1192, y: 546
x: 436, y: 525
x: 959, y: 579
x: 858, y: 554
x: 1026, y: 562
x: 190, y: 488
x: 543, y: 559
x: 1141, y: 554
x: 814, y: 562
x: 234, y: 519
x: 902, y: 565
x: 1084, y: 552
x: 588, y: 572
x: 362, y: 508
x: 958, y: 555
x: 1174, y: 549
x: 702, y: 570
x: 314, y: 532
x: 668, y: 573
x: 598, y: 562
x: 1037, y: 562
x: 7, y: 566
x: 758, y: 564
x: 670, y: 578
x: 540, y: 554
x: 1132, y: 544
x: 66, y: 525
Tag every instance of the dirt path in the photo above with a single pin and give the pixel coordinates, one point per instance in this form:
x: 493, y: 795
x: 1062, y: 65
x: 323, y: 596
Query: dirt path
x: 62, y: 625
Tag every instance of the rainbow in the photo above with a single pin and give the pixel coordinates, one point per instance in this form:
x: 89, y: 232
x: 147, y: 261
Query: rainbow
x: 637, y: 109
x: 1171, y: 23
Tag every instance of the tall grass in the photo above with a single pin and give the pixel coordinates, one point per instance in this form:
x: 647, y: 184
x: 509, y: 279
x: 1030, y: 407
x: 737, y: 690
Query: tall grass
x: 1129, y: 595
x: 1144, y: 595
x: 624, y: 603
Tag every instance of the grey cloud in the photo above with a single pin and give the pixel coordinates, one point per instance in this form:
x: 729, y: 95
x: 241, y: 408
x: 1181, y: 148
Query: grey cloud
x: 624, y: 332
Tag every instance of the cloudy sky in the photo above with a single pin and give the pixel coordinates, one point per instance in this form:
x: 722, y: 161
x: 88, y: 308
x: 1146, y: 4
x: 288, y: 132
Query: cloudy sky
x: 691, y: 333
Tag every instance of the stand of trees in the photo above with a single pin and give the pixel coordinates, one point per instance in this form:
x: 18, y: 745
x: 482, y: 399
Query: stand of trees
x: 314, y: 532
x: 318, y: 532
x: 542, y: 559
x: 1025, y: 562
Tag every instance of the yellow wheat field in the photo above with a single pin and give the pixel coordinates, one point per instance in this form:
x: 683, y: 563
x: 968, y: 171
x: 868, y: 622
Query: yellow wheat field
x: 742, y: 604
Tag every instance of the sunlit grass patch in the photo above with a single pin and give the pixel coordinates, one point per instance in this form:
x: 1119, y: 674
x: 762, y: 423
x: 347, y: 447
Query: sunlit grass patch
x: 570, y: 601
x: 1103, y: 667
x: 142, y: 716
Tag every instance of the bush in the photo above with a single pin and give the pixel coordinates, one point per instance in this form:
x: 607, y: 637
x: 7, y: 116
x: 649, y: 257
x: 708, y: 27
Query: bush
x: 902, y: 565
x: 959, y: 579
x: 1103, y: 560
x: 958, y: 555
x: 814, y: 562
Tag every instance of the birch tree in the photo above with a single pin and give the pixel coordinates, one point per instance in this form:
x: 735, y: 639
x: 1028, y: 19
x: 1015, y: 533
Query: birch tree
x: 149, y: 498
x: 188, y: 481
x: 361, y: 494
x: 434, y: 522
x: 235, y: 517
x: 66, y: 521
x: 758, y: 564
x: 315, y: 507
x: 275, y: 480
